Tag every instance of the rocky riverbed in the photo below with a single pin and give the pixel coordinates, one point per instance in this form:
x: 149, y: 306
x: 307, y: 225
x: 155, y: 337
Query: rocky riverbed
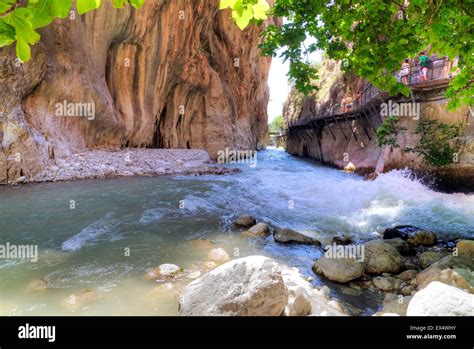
x: 411, y: 270
x: 415, y: 272
x: 127, y: 162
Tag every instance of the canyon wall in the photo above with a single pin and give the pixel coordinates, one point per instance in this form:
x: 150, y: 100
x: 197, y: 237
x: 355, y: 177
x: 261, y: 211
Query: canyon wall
x: 173, y: 74
x: 353, y: 143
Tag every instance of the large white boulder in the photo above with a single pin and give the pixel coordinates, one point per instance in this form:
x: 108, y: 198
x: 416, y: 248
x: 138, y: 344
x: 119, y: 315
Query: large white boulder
x: 438, y: 299
x: 250, y: 286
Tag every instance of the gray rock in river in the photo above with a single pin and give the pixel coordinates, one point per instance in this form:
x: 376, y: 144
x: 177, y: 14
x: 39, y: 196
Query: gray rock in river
x: 285, y: 235
x: 339, y: 269
x: 245, y: 221
x: 387, y: 284
x: 251, y: 286
x: 381, y: 258
x: 400, y: 245
x: 423, y: 238
x: 164, y: 271
x: 258, y: 230
x: 429, y: 257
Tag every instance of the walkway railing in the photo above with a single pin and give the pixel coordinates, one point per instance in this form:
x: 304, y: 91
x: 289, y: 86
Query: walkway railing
x: 439, y: 69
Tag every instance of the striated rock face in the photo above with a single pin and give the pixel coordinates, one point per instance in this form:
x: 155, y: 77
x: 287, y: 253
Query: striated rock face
x: 353, y: 143
x: 174, y: 74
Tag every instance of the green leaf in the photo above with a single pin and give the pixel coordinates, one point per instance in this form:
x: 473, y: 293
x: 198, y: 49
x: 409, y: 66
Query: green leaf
x: 7, y: 34
x: 20, y: 20
x: 137, y: 3
x: 261, y: 9
x: 84, y: 6
x: 244, y: 20
x: 6, y: 5
x: 46, y: 11
x: 23, y: 50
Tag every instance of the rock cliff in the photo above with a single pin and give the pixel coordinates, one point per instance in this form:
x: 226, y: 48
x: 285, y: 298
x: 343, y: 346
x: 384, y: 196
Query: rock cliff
x: 174, y: 74
x: 354, y: 142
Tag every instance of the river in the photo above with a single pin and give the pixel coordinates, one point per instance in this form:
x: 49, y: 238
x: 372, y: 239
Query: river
x: 85, y: 229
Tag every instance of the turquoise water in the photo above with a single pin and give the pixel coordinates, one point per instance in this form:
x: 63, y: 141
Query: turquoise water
x: 85, y: 229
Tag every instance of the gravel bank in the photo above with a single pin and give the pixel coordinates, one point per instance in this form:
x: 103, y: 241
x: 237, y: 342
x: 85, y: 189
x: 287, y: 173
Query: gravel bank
x: 129, y: 162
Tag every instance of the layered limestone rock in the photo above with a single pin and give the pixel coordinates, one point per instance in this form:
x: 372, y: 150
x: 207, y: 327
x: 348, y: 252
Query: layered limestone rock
x: 174, y: 74
x: 353, y: 143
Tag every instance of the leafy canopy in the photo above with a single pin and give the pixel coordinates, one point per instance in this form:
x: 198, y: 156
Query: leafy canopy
x: 277, y: 124
x: 20, y: 19
x: 371, y: 37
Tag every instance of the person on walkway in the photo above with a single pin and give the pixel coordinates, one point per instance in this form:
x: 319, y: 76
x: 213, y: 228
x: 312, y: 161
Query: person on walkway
x: 405, y: 72
x: 346, y: 104
x: 424, y: 65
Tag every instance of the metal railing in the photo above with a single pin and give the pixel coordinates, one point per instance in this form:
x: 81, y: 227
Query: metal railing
x: 439, y: 69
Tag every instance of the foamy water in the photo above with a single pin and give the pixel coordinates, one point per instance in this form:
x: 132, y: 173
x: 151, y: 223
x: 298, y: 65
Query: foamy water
x: 156, y: 218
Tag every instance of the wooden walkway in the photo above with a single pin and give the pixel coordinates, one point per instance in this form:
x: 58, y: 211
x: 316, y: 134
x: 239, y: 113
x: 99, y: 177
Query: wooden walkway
x: 368, y: 104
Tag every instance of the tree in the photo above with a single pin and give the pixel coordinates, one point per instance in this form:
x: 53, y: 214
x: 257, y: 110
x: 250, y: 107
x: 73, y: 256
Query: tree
x: 20, y: 19
x: 370, y: 37
x: 276, y: 124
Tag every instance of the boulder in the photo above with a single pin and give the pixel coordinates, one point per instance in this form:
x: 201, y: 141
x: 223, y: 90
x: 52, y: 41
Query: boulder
x: 258, y: 230
x: 401, y: 231
x: 342, y: 240
x: 250, y: 286
x: 218, y: 255
x: 423, y: 238
x: 304, y: 299
x: 285, y: 235
x: 381, y: 258
x: 447, y: 276
x: 339, y: 269
x: 465, y: 249
x: 400, y: 245
x: 390, y: 297
x: 407, y: 275
x: 411, y: 263
x: 429, y: 257
x: 438, y: 299
x: 387, y: 284
x: 245, y: 221
x: 407, y: 290
x: 164, y: 271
